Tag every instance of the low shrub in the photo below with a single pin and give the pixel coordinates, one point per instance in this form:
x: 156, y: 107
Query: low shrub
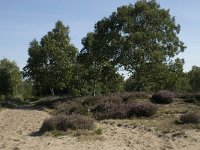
x: 51, y: 123
x: 142, y: 110
x: 98, y: 131
x: 49, y: 102
x: 187, y: 95
x: 163, y: 97
x: 190, y: 97
x: 110, y: 110
x: 189, y: 118
x: 91, y: 101
x: 63, y: 123
x: 112, y: 98
x: 126, y: 96
x: 71, y: 107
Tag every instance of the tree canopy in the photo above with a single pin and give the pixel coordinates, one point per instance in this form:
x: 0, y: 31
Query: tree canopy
x: 51, y: 60
x: 194, y: 78
x: 143, y: 38
x: 10, y: 77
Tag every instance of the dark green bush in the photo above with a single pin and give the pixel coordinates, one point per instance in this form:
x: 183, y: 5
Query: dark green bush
x: 163, y: 97
x: 63, y: 123
x: 189, y: 118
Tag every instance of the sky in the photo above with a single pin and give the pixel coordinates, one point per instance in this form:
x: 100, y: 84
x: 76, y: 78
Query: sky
x: 23, y: 20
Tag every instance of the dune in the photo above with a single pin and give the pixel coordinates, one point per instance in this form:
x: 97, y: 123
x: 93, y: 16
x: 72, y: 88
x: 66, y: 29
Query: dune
x: 18, y: 125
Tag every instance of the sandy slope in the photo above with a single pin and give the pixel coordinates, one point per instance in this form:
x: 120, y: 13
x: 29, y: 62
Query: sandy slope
x: 16, y: 125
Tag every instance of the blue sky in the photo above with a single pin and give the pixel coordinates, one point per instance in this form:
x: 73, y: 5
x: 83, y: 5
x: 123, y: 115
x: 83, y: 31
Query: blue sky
x: 23, y: 20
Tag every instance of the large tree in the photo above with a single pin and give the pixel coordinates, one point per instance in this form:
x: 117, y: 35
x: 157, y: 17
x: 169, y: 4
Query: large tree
x: 100, y: 74
x: 51, y: 60
x: 10, y: 77
x: 143, y: 38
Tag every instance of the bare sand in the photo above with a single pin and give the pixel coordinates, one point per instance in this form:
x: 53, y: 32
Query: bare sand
x: 17, y: 125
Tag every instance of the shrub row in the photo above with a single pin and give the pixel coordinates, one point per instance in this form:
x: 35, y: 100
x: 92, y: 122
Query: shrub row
x: 84, y: 105
x: 63, y: 123
x: 111, y: 110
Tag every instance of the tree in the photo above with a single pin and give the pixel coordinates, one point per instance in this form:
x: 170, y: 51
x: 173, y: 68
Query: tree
x: 10, y: 77
x: 101, y: 75
x: 171, y: 77
x: 51, y: 60
x: 143, y: 38
x: 176, y: 79
x: 194, y: 78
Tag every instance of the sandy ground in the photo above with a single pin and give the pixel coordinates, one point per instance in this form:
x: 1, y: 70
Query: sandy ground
x: 17, y: 125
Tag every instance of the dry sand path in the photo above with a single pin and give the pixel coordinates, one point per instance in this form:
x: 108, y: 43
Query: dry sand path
x: 16, y: 125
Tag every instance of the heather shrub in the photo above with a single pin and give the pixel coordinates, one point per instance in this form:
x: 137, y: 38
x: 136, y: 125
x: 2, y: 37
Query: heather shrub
x: 163, y: 97
x: 63, y: 123
x: 140, y: 95
x: 112, y: 98
x: 142, y: 110
x: 109, y: 110
x: 119, y: 112
x: 91, y: 101
x: 51, y: 124
x: 71, y: 107
x: 189, y: 118
x: 190, y: 97
x: 126, y: 96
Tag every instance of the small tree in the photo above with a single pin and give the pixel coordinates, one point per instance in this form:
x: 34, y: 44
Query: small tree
x: 194, y: 78
x: 51, y: 60
x: 10, y: 77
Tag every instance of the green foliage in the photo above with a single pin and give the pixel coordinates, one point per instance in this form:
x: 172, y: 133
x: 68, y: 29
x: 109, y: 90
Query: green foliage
x: 10, y: 77
x: 50, y: 61
x: 130, y: 84
x: 101, y: 75
x: 26, y: 89
x: 98, y: 131
x: 137, y: 37
x: 194, y: 78
x: 176, y: 79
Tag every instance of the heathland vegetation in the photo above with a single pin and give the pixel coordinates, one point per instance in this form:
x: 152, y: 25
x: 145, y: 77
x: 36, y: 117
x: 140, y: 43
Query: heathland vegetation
x: 85, y: 85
